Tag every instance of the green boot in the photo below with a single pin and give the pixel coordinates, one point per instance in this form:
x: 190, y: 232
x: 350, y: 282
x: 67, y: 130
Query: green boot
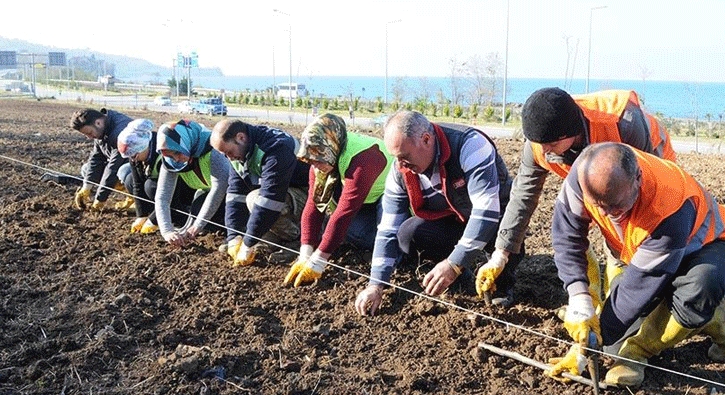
x: 716, y: 330
x: 659, y: 331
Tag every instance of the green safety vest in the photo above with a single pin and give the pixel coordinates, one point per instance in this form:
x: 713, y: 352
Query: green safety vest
x: 199, y: 177
x: 253, y: 165
x: 357, y: 143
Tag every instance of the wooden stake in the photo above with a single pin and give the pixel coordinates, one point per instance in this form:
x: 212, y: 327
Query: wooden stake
x: 537, y: 364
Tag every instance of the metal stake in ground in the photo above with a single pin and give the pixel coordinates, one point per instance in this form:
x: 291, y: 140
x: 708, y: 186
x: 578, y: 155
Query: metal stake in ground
x: 537, y: 364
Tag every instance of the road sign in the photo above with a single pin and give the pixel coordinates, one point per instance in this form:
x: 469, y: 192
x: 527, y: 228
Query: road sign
x: 8, y: 59
x: 56, y: 59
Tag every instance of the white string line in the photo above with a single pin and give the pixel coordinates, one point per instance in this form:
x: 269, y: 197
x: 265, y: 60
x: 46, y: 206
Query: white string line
x: 505, y: 323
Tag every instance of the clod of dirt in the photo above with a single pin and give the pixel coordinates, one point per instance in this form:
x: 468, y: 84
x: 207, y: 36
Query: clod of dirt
x: 426, y: 307
x: 528, y: 379
x: 322, y: 329
x: 122, y: 299
x: 185, y: 359
x: 475, y: 319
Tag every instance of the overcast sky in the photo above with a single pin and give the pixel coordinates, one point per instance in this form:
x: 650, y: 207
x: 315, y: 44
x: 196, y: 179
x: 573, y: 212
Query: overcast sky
x: 656, y: 40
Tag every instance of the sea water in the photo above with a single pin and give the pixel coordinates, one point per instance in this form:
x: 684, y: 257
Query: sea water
x: 676, y: 99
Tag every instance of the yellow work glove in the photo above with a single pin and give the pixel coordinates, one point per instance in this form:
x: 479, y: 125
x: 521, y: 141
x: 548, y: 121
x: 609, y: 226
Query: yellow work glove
x: 581, y: 318
x: 305, y: 271
x: 82, y: 198
x: 245, y: 256
x: 242, y: 255
x: 148, y: 228
x: 574, y: 362
x: 98, y: 205
x: 233, y: 246
x: 137, y: 224
x: 125, y: 204
x: 487, y: 274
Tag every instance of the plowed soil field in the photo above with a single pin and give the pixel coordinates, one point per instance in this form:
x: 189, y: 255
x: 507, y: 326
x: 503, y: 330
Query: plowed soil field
x: 88, y: 308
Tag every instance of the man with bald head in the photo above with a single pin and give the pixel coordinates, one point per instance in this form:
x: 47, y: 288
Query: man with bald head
x: 670, y: 233
x: 456, y: 184
x: 267, y: 186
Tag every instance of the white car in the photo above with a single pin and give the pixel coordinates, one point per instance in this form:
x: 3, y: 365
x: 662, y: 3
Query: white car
x: 162, y: 101
x: 185, y: 107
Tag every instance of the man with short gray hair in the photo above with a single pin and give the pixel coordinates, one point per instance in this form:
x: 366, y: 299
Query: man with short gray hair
x: 457, y: 186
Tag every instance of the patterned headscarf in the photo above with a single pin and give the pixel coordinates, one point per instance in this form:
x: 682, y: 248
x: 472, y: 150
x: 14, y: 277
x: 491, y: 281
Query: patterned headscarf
x: 323, y: 141
x: 186, y: 137
x: 135, y: 138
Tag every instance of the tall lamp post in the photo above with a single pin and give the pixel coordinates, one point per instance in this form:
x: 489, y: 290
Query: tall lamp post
x: 289, y: 79
x: 386, y: 57
x: 589, y: 58
x: 505, y: 66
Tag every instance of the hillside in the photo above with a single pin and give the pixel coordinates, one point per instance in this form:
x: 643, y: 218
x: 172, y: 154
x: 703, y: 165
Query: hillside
x: 127, y: 69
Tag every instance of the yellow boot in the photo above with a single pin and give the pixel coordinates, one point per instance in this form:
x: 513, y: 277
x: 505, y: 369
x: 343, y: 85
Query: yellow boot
x: 614, y: 267
x: 594, y: 274
x: 659, y: 331
x: 716, y: 330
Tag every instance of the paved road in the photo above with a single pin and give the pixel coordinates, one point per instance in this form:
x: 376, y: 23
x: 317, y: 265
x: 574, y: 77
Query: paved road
x: 279, y: 115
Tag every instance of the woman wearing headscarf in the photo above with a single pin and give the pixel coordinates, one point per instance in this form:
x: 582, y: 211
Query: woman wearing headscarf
x: 187, y: 154
x: 347, y: 180
x: 137, y: 142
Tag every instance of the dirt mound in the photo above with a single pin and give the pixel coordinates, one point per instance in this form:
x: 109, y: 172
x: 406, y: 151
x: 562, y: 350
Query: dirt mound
x: 86, y: 307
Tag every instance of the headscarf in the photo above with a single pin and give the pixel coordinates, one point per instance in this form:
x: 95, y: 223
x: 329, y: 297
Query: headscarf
x: 135, y: 137
x: 186, y: 137
x: 323, y: 140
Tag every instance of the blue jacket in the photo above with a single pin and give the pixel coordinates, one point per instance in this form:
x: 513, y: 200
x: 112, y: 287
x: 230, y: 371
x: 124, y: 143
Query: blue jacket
x: 271, y: 166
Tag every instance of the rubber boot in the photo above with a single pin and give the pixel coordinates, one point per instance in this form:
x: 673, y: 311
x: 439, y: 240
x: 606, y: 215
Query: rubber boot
x: 659, y: 331
x: 614, y: 267
x: 716, y: 330
x: 595, y: 280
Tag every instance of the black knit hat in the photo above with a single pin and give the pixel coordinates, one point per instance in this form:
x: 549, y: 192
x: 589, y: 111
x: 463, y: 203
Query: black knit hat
x: 550, y: 114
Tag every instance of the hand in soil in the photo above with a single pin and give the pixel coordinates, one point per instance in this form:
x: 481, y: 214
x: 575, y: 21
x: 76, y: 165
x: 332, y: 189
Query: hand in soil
x: 438, y: 279
x: 369, y: 300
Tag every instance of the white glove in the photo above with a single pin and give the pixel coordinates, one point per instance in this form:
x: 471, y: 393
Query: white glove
x: 318, y: 261
x: 580, y: 308
x: 581, y: 319
x: 306, y: 251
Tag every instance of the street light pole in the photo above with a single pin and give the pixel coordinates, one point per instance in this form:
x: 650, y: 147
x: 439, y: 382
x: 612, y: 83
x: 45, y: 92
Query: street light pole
x: 289, y: 79
x: 505, y: 66
x: 386, y: 58
x: 589, y: 58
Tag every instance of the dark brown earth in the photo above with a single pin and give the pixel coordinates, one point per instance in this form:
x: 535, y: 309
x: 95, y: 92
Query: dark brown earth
x: 87, y: 308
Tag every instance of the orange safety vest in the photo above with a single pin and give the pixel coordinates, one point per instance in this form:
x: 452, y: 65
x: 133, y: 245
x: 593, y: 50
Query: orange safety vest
x: 603, y: 110
x: 665, y: 189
